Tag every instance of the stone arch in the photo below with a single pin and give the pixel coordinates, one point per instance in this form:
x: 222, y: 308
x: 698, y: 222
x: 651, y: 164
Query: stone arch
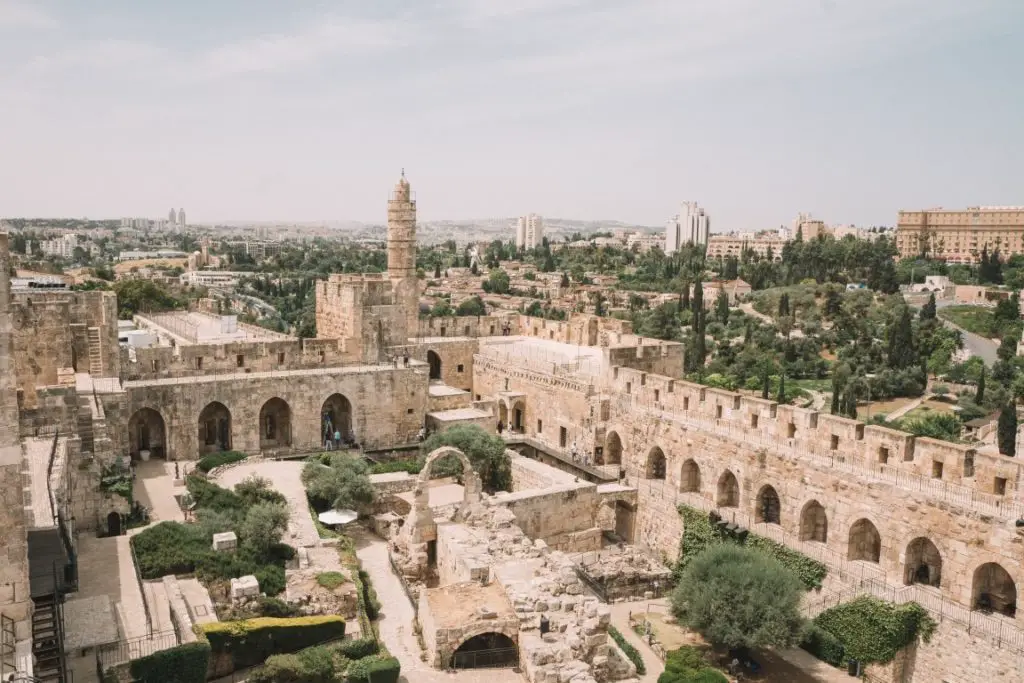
x: 147, y: 431
x: 813, y: 522
x: 434, y: 362
x: 768, y: 507
x: 488, y: 650
x: 517, y: 416
x: 420, y: 524
x: 336, y: 416
x: 865, y: 542
x: 994, y: 590
x: 214, y: 428
x: 728, y: 490
x: 689, y: 477
x: 612, y: 454
x: 275, y: 424
x: 655, y: 468
x: 923, y: 563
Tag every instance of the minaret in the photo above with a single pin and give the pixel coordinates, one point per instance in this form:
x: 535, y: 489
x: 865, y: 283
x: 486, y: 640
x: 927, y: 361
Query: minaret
x: 401, y: 232
x: 402, y: 253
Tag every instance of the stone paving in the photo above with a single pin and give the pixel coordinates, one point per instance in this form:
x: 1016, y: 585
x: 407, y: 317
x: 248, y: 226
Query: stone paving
x: 155, y: 489
x: 105, y: 568
x: 397, y: 617
x: 620, y: 620
x: 287, y: 479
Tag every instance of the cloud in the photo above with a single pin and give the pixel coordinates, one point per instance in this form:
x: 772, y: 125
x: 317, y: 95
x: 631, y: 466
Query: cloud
x: 22, y: 15
x: 281, y: 51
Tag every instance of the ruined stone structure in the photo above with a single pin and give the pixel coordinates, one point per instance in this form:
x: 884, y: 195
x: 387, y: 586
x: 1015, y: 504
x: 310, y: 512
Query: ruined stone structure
x: 893, y: 515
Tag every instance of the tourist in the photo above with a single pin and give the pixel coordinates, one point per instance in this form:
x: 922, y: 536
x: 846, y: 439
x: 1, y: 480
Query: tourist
x: 337, y: 439
x: 501, y: 427
x: 575, y: 455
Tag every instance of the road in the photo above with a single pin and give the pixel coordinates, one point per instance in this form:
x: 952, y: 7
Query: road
x: 978, y: 346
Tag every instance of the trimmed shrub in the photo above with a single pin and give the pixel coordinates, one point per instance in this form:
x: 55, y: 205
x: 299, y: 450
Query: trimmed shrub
x: 685, y: 658
x: 208, y: 495
x: 358, y: 648
x: 628, y: 650
x: 374, y: 669
x: 182, y: 664
x: 823, y: 645
x: 169, y: 548
x: 369, y: 595
x: 331, y: 580
x: 274, y: 607
x: 872, y: 630
x: 208, y: 462
x: 252, y: 641
x: 411, y: 466
x: 312, y: 665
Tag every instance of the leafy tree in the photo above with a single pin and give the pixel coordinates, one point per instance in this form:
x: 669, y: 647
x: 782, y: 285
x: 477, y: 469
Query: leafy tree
x: 661, y: 322
x: 486, y: 452
x: 264, y: 526
x: 497, y: 282
x: 935, y: 425
x: 737, y: 596
x: 472, y: 306
x: 442, y: 308
x: 342, y: 482
x: 565, y: 280
x: 143, y: 296
x: 901, y: 352
x: 784, y: 305
x: 928, y: 310
x: 731, y: 270
x: 833, y: 304
x: 1006, y: 430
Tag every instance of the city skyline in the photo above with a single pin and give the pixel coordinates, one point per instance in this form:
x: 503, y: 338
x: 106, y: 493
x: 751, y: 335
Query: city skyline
x: 583, y: 110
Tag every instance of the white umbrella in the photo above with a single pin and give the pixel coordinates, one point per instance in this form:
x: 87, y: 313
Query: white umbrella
x: 337, y: 517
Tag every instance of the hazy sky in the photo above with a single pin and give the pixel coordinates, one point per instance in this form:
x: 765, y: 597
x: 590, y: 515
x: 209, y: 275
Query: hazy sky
x: 758, y: 109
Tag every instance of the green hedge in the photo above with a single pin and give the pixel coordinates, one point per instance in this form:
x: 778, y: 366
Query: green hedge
x: 413, y: 466
x: 252, y: 641
x: 699, y: 533
x: 628, y: 649
x: 359, y: 647
x: 208, y: 462
x: 872, y: 630
x: 312, y: 665
x: 687, y: 665
x: 706, y: 675
x: 823, y: 645
x: 374, y: 669
x: 182, y: 664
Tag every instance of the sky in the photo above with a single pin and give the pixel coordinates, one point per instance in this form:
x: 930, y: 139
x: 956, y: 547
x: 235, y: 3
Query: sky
x: 584, y: 109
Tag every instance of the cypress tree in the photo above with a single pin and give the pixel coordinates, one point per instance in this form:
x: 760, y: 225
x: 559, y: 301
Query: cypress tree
x: 928, y: 310
x: 766, y: 381
x: 1006, y: 431
x: 979, y: 395
x: 901, y: 342
x: 781, y: 396
x: 835, y: 399
x: 684, y: 301
x: 437, y: 270
x: 722, y: 307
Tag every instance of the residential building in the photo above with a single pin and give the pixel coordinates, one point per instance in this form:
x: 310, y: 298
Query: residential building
x: 766, y: 244
x: 644, y: 241
x: 172, y: 217
x: 808, y: 227
x: 181, y: 219
x: 260, y: 250
x: 691, y: 225
x: 61, y: 247
x: 735, y: 290
x: 529, y: 231
x: 960, y: 235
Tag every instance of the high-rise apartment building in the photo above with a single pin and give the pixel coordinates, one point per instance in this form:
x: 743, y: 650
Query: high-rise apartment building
x: 692, y: 225
x: 172, y: 217
x: 529, y: 231
x: 960, y: 235
x: 181, y: 219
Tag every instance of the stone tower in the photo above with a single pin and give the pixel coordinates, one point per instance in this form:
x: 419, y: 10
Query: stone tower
x: 402, y: 250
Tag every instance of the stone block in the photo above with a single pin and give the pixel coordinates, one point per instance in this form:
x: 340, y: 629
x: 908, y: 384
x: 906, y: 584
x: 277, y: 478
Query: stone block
x: 225, y: 541
x: 244, y: 587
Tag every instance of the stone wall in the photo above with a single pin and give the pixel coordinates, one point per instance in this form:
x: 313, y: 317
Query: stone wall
x: 956, y: 656
x: 564, y: 516
x: 247, y: 356
x: 387, y: 405
x: 364, y: 312
x: 456, y: 356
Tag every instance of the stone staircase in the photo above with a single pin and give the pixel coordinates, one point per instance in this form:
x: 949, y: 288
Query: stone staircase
x: 95, y: 352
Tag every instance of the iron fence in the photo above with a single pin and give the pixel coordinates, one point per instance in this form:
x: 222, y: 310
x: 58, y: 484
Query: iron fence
x: 123, y: 651
x: 498, y: 658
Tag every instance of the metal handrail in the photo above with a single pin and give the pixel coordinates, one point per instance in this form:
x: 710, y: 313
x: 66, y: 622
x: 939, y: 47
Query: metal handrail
x: 49, y: 475
x: 142, y: 589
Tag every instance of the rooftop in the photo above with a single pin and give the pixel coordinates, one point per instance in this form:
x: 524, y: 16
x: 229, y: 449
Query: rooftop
x: 555, y: 357
x: 184, y: 328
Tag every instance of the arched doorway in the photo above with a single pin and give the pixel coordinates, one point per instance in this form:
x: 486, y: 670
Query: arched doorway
x: 865, y: 542
x: 486, y: 651
x: 768, y: 508
x: 114, y: 524
x: 923, y: 564
x: 147, y: 432
x: 994, y: 590
x: 518, y: 416
x: 689, y: 477
x: 813, y: 523
x: 275, y: 424
x: 655, y: 464
x: 503, y: 414
x: 728, y: 491
x: 613, y: 449
x: 434, y: 361
x: 336, y: 416
x: 214, y: 428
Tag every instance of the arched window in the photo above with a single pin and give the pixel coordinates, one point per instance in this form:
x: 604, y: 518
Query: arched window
x: 865, y: 542
x: 923, y: 563
x: 655, y: 464
x: 689, y: 477
x: 813, y: 523
x: 728, y: 491
x: 994, y: 590
x: 769, y: 508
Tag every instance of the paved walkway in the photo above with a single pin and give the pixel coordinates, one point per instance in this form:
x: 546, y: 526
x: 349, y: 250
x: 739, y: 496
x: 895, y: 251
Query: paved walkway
x: 620, y: 620
x: 155, y: 489
x: 906, y: 408
x: 396, y: 620
x: 287, y: 479
x: 105, y: 568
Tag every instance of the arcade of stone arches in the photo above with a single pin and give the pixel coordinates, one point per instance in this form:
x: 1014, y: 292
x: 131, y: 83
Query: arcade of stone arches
x: 214, y: 428
x: 993, y: 589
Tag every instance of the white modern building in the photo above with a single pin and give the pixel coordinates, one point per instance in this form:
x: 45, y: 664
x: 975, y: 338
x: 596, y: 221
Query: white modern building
x: 692, y: 224
x: 529, y: 232
x: 181, y: 219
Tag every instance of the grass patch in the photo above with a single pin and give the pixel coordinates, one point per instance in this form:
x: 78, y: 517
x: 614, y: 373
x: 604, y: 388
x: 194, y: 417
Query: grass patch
x: 331, y: 580
x: 976, y: 319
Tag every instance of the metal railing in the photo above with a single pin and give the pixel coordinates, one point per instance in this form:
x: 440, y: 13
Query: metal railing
x: 142, y: 589
x: 49, y: 476
x: 112, y: 654
x: 867, y: 578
